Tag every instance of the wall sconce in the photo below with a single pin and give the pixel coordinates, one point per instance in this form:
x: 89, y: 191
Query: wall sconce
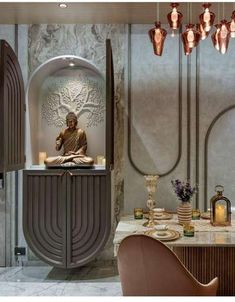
x: 174, y: 17
x: 207, y: 18
x: 190, y: 38
x: 220, y: 208
x: 157, y: 37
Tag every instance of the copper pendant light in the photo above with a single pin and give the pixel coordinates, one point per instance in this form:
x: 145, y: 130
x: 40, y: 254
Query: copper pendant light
x: 174, y: 17
x: 232, y: 25
x: 157, y: 36
x: 215, y: 37
x: 207, y: 18
x: 190, y: 38
x: 202, y: 31
x: 224, y: 36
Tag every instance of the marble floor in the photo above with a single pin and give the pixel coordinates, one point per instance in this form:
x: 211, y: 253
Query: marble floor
x: 97, y: 279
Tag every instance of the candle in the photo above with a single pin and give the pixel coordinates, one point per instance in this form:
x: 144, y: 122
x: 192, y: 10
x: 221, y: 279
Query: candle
x: 138, y: 213
x: 188, y: 230
x: 220, y: 213
x: 41, y: 157
x: 99, y: 159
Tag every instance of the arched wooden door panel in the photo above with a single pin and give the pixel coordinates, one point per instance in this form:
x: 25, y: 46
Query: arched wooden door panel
x: 44, y: 215
x: 88, y: 211
x: 12, y: 111
x: 66, y: 215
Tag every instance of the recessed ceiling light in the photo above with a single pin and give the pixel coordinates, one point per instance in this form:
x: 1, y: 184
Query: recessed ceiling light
x: 63, y: 5
x: 71, y: 64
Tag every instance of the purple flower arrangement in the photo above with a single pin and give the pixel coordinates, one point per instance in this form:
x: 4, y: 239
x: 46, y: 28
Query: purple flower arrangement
x: 183, y: 190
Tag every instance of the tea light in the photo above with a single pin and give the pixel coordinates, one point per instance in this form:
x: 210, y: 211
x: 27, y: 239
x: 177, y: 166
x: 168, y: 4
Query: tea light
x: 196, y: 214
x: 138, y: 213
x: 99, y: 159
x: 41, y: 157
x: 188, y: 230
x: 220, y: 213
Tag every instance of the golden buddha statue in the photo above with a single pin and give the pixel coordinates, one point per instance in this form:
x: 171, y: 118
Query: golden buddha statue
x: 74, y: 141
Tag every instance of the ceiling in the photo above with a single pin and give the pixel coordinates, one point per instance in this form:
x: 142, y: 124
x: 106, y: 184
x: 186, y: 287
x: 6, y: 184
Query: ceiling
x: 111, y: 12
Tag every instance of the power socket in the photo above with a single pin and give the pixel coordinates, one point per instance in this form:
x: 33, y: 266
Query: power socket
x: 20, y: 251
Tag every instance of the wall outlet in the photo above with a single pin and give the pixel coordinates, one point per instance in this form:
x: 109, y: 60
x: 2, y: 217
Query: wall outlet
x: 20, y: 251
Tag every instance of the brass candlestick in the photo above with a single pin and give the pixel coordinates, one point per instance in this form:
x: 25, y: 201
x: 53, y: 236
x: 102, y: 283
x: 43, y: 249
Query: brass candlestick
x: 151, y: 184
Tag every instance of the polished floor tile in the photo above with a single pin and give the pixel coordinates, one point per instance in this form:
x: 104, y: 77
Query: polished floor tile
x: 97, y: 279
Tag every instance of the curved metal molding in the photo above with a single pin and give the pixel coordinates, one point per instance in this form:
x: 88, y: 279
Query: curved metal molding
x: 206, y: 149
x: 130, y: 113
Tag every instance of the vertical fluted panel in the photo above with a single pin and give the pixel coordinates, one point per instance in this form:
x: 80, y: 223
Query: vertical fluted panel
x: 12, y: 111
x: 89, y: 220
x: 44, y: 216
x: 205, y: 263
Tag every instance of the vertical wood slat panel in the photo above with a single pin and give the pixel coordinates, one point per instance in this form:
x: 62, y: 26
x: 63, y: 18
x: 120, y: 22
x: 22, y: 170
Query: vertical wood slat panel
x: 205, y: 263
x: 12, y: 110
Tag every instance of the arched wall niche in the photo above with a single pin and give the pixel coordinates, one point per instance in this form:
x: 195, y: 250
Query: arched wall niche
x: 54, y: 89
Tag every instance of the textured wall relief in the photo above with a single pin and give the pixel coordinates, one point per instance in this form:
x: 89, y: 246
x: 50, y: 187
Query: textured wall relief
x: 80, y: 95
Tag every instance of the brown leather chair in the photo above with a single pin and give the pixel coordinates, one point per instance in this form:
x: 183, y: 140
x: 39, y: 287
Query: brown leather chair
x: 148, y: 267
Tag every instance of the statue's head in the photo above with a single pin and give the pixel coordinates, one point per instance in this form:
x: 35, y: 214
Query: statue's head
x: 71, y: 120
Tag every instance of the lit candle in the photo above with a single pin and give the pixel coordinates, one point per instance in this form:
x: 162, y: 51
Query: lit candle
x: 220, y: 213
x: 41, y: 157
x: 100, y: 159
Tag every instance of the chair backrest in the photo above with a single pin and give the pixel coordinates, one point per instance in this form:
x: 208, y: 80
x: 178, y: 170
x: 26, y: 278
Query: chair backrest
x: 148, y: 267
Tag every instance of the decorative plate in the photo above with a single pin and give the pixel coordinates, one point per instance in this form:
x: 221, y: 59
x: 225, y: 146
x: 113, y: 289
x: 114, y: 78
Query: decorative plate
x: 163, y: 216
x: 206, y: 215
x: 168, y: 235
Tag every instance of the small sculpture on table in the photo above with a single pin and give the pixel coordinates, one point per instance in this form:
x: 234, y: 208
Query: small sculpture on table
x: 73, y: 139
x: 151, y: 184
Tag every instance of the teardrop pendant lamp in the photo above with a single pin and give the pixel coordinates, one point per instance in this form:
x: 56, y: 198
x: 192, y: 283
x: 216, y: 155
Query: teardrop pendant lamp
x: 190, y: 37
x: 157, y: 36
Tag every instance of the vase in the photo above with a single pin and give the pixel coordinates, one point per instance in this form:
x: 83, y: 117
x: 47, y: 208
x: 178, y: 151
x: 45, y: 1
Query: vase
x: 184, y: 211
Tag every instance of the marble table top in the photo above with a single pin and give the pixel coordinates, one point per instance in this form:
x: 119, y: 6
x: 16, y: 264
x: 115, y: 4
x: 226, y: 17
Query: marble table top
x: 219, y: 236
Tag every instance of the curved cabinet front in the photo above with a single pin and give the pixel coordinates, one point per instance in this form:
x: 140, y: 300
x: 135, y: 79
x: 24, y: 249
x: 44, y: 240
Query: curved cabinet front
x: 66, y: 214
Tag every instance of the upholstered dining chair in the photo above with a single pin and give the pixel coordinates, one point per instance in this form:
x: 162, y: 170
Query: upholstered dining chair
x: 148, y: 267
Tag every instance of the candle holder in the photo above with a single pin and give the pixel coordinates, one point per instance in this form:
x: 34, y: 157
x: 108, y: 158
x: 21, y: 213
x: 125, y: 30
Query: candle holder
x: 188, y: 230
x: 220, y: 208
x: 138, y: 213
x: 151, y: 184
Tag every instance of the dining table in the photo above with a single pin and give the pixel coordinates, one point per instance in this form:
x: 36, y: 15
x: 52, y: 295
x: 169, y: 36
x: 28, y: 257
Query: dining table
x: 209, y: 253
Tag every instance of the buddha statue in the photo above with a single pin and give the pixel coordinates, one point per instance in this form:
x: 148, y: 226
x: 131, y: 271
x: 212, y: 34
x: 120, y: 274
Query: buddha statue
x: 73, y: 140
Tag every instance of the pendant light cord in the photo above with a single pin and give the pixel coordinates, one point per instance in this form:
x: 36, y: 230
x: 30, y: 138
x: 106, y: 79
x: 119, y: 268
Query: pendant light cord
x: 158, y: 15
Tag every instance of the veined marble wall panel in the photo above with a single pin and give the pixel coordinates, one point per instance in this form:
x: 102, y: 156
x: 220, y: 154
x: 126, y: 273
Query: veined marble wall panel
x: 216, y: 93
x: 88, y: 41
x: 154, y: 133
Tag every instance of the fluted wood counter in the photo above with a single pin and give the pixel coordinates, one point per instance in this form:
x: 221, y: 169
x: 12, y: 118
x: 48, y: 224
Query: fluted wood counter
x: 208, y: 254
